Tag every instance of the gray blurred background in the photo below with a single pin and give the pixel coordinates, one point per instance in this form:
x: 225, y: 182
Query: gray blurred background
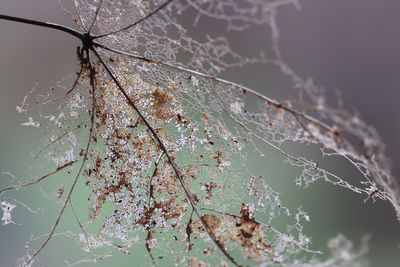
x: 348, y: 46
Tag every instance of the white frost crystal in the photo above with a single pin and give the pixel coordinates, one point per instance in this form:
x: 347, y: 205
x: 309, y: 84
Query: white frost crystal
x: 7, y: 209
x: 31, y: 122
x: 237, y: 107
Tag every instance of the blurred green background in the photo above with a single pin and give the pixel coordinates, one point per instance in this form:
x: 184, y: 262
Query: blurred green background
x: 350, y: 46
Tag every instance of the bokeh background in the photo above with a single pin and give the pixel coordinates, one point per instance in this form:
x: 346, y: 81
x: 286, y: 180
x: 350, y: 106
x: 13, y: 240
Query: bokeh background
x: 345, y: 46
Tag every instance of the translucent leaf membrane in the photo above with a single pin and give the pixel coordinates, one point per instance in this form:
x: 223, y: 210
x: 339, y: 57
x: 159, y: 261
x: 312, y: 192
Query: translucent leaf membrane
x: 166, y: 157
x: 118, y: 13
x: 252, y: 117
x: 162, y: 38
x: 345, y: 135
x: 138, y: 178
x: 207, y: 136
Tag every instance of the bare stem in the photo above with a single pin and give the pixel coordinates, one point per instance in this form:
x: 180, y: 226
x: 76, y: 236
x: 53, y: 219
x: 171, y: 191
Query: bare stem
x: 50, y: 25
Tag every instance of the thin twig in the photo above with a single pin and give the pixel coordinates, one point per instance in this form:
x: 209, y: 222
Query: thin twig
x: 95, y: 16
x: 57, y: 139
x: 76, y: 81
x: 188, y: 234
x: 39, y: 179
x: 79, y: 223
x: 151, y: 187
x: 80, y: 20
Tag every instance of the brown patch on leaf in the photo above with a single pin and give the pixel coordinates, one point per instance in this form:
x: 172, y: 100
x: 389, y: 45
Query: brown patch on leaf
x: 242, y: 230
x: 97, y: 202
x: 160, y: 107
x: 248, y: 234
x: 181, y: 119
x: 205, y: 118
x: 195, y: 262
x: 213, y: 223
x: 192, y: 171
x: 208, y: 188
x: 218, y: 156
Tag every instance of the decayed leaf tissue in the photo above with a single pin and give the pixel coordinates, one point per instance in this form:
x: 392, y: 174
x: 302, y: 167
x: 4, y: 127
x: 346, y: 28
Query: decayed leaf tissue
x: 150, y: 152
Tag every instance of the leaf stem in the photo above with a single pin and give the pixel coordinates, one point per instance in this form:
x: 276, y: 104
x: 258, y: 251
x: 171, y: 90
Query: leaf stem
x: 50, y: 25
